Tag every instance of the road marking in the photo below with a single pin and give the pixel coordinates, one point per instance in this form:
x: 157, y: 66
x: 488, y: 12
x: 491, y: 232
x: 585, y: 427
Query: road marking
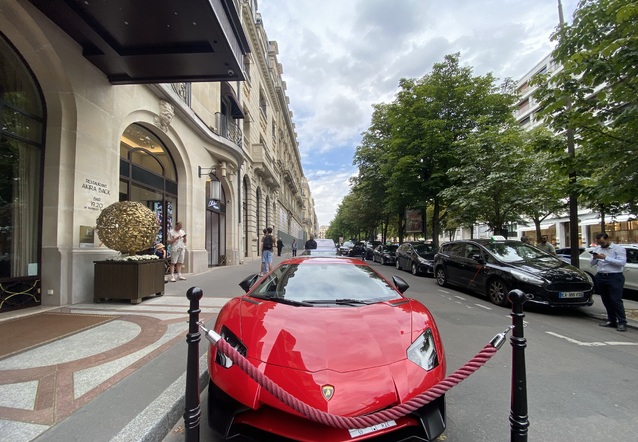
x: 483, y: 306
x: 590, y: 344
x: 460, y: 297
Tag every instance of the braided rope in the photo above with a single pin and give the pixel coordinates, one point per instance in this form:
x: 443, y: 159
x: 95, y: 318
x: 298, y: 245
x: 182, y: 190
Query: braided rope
x: 347, y: 423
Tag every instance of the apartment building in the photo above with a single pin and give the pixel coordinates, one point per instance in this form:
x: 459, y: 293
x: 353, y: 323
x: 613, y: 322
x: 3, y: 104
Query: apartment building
x: 178, y: 105
x: 623, y: 228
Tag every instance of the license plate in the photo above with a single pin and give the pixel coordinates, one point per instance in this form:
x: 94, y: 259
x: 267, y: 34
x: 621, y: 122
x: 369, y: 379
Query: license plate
x: 361, y: 431
x: 570, y: 294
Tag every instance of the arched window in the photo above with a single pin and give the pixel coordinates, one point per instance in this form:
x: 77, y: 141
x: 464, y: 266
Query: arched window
x: 148, y: 175
x: 22, y: 122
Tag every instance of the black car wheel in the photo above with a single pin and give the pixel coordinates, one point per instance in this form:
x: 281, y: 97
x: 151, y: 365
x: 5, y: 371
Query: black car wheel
x: 497, y: 291
x: 398, y: 265
x: 415, y: 269
x: 441, y: 277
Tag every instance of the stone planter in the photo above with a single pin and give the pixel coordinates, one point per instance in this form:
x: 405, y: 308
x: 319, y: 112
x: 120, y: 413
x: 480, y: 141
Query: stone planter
x: 131, y: 280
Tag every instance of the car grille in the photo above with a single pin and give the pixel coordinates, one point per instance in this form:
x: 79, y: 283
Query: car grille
x: 569, y: 287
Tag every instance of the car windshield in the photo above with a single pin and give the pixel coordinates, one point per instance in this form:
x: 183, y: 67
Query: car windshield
x: 516, y: 251
x: 348, y: 244
x: 325, y: 244
x: 392, y: 248
x: 320, y: 281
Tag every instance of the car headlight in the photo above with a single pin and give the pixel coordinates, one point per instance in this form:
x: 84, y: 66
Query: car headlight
x: 526, y: 277
x: 425, y: 261
x: 423, y: 351
x: 234, y: 341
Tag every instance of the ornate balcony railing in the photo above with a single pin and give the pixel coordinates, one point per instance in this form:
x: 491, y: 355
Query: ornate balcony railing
x: 184, y: 92
x: 228, y: 129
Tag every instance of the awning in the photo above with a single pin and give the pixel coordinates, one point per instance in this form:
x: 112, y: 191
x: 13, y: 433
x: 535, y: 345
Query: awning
x: 590, y: 221
x: 163, y: 41
x: 235, y: 108
x: 548, y: 225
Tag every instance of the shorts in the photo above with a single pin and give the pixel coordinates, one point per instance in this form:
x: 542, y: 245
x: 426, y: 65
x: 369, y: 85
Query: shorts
x: 177, y: 256
x: 266, y: 256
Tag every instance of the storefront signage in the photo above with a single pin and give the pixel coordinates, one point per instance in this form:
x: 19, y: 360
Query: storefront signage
x: 95, y: 192
x: 216, y: 206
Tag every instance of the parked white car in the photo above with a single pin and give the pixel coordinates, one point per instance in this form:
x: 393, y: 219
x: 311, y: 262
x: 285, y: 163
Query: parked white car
x: 631, y: 268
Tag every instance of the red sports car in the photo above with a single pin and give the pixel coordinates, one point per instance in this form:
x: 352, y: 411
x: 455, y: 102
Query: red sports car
x: 336, y: 335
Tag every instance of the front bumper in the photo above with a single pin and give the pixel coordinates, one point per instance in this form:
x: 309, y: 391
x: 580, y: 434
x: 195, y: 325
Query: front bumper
x: 234, y: 421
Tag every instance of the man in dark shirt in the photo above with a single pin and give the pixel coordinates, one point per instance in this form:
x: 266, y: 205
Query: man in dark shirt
x: 311, y: 244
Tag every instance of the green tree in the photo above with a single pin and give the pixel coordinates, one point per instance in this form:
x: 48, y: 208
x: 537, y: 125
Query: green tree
x: 429, y: 117
x: 598, y: 53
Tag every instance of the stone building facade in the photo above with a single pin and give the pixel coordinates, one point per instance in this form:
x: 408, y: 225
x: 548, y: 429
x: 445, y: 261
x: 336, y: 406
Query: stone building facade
x: 215, y: 150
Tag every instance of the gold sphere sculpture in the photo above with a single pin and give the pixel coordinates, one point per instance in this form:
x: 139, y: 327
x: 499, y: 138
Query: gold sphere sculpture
x: 128, y: 227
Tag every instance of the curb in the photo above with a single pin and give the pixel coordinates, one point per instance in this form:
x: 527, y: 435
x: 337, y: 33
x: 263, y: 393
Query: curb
x: 155, y: 423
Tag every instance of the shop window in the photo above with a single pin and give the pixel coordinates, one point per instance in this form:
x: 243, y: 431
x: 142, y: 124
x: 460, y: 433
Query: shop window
x: 21, y: 146
x: 148, y: 175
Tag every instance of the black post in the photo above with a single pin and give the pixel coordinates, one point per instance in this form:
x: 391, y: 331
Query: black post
x: 519, y: 422
x: 192, y: 409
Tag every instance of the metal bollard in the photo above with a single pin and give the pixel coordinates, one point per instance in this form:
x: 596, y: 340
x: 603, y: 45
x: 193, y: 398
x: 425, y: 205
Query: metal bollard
x: 519, y: 422
x: 192, y: 409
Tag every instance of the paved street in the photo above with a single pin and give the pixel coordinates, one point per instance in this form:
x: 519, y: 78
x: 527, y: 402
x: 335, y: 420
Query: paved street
x: 581, y: 377
x: 126, y: 383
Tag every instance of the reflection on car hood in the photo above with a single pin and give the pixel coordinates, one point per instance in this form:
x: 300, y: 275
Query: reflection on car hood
x: 551, y: 270
x: 317, y: 338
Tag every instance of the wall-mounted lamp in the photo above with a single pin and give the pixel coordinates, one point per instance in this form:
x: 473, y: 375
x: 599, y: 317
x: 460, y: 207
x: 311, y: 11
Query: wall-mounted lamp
x: 215, y: 186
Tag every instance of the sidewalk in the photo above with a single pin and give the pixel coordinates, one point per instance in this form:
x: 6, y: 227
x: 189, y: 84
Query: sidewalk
x: 125, y: 380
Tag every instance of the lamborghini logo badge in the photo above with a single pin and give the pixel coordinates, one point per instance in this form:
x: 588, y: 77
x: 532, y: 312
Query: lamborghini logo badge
x: 328, y: 391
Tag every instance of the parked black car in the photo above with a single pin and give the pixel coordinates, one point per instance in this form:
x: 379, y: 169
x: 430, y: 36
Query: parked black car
x: 358, y: 250
x: 494, y: 267
x: 370, y: 246
x: 385, y: 254
x: 417, y: 257
x: 345, y: 248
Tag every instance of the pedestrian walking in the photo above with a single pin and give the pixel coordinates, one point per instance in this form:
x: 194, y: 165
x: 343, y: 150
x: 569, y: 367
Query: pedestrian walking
x: 609, y: 260
x: 266, y: 251
x: 293, y: 247
x: 280, y: 245
x: 177, y: 240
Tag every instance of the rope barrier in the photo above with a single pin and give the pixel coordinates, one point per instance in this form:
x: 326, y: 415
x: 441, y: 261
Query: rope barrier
x: 379, y: 417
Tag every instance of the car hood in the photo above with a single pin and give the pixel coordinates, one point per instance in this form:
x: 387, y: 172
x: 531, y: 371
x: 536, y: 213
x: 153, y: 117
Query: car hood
x: 359, y: 352
x: 320, y: 338
x: 551, y: 270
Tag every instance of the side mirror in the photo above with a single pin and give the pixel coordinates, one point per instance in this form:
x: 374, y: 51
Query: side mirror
x: 400, y: 284
x: 247, y: 283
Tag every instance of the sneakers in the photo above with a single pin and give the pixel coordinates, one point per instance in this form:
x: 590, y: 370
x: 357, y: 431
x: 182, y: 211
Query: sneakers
x: 172, y: 279
x: 260, y: 275
x: 182, y: 278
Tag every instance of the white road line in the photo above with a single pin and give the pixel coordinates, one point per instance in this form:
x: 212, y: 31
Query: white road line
x: 483, y: 306
x: 460, y: 297
x: 590, y: 344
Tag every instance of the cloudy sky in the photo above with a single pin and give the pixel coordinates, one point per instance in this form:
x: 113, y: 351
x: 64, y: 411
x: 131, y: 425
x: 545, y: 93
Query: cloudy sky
x: 340, y: 57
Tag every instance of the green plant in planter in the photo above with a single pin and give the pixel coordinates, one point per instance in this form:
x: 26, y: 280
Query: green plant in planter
x: 128, y: 227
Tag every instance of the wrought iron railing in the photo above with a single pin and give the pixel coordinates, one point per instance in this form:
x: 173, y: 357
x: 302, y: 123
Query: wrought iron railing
x: 184, y: 92
x: 228, y: 129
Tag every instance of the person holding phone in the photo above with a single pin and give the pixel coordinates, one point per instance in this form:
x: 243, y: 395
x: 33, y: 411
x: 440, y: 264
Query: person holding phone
x: 177, y: 240
x: 610, y: 260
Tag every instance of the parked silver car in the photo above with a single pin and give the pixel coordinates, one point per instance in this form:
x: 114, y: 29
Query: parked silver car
x: 631, y: 268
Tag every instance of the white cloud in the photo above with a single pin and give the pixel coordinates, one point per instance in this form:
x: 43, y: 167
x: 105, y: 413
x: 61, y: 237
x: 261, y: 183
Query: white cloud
x: 339, y: 58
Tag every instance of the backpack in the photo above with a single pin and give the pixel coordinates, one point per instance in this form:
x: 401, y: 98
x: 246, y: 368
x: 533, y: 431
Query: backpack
x: 268, y: 242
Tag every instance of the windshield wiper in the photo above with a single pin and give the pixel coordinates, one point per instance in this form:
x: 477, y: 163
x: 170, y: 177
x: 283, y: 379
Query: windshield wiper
x: 281, y: 300
x: 340, y: 301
